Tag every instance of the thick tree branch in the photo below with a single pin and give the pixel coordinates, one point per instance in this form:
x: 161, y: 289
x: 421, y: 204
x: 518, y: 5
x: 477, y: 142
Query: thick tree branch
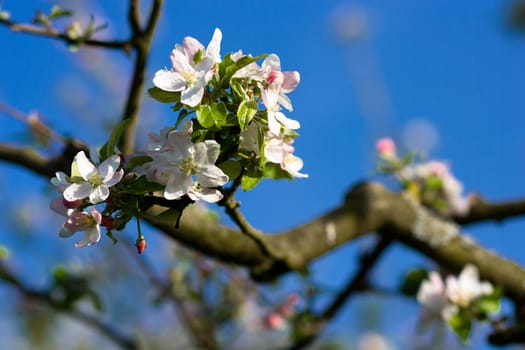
x: 368, y: 207
x: 29, y: 159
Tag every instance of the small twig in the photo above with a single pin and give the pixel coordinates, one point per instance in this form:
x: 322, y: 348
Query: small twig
x: 354, y: 284
x: 33, y: 122
x: 200, y: 336
x: 141, y: 41
x: 232, y: 209
x: 44, y: 297
x: 134, y: 16
x: 480, y: 210
x: 54, y: 34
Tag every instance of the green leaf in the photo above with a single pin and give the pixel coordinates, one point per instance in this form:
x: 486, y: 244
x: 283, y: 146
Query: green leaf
x: 230, y: 67
x: 412, y: 281
x: 108, y: 148
x: 489, y: 304
x: 57, y: 12
x: 182, y: 114
x: 246, y: 112
x: 238, y: 90
x: 434, y: 182
x: 232, y: 168
x: 163, y: 96
x: 249, y: 181
x: 274, y: 171
x: 461, y: 324
x: 141, y: 186
x: 219, y: 113
x: 205, y: 116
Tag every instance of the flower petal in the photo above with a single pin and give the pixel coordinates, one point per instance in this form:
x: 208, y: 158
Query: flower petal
x: 192, y: 96
x: 77, y: 191
x: 91, y: 236
x: 287, y: 122
x: 169, y: 81
x: 115, y: 179
x: 84, y: 166
x: 207, y: 152
x: 214, y: 47
x: 290, y: 81
x: 178, y: 185
x: 211, y: 176
x: 292, y: 165
x: 191, y: 47
x: 99, y: 194
x: 180, y: 60
x: 272, y: 62
x: 60, y: 181
x: 108, y: 167
x: 206, y: 194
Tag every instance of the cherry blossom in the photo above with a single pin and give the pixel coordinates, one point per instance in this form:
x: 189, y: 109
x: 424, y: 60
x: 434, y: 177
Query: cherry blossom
x: 83, y: 221
x: 271, y: 97
x: 192, y: 68
x: 178, y: 160
x: 451, y: 188
x: 279, y: 150
x: 462, y: 290
x: 91, y: 181
x: 431, y: 295
x: 386, y: 147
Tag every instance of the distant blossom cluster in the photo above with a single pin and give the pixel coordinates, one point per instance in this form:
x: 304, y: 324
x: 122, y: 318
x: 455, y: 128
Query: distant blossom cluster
x: 431, y: 181
x: 238, y: 133
x: 457, y: 300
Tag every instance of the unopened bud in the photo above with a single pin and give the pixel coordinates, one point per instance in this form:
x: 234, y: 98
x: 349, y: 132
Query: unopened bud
x: 386, y: 147
x: 141, y: 245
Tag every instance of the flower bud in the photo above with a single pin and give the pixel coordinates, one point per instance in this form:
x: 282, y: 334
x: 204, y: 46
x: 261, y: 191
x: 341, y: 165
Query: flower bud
x: 141, y: 245
x: 386, y: 147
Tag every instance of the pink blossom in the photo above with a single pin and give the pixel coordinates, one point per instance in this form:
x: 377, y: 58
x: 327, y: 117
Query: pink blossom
x: 275, y: 321
x: 386, y: 147
x: 83, y: 221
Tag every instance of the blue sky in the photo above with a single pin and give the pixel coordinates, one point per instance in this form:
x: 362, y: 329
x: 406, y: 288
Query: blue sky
x: 449, y: 69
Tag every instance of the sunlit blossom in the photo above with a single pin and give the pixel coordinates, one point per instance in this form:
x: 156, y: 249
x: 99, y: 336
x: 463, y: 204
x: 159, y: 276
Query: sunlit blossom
x: 192, y: 68
x: 91, y: 181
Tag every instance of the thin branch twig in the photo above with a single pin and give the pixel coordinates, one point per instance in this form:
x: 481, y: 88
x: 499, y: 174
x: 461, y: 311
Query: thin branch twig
x: 54, y: 34
x: 353, y: 285
x: 43, y: 296
x: 141, y: 41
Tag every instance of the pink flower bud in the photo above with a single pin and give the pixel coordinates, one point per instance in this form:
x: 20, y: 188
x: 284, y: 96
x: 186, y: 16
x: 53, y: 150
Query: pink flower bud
x: 386, y: 147
x: 141, y: 245
x: 274, y: 321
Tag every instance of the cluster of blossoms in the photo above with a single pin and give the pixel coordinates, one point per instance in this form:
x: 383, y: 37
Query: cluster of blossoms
x: 87, y: 186
x: 457, y: 300
x: 238, y: 133
x: 431, y: 182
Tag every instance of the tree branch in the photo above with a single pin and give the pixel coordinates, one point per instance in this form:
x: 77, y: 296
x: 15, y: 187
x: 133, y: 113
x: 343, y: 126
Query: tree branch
x: 54, y: 34
x: 355, y: 284
x: 44, y: 297
x: 141, y: 42
x: 482, y: 210
x: 368, y: 207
